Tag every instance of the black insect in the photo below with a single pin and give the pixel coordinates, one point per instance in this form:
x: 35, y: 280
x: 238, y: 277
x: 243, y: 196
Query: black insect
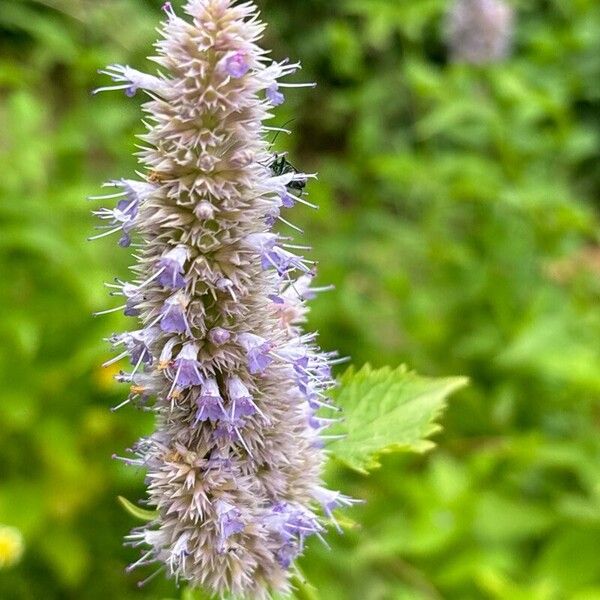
x: 280, y: 165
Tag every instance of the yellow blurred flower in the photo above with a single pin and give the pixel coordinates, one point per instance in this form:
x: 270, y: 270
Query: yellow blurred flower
x: 104, y: 377
x: 11, y: 546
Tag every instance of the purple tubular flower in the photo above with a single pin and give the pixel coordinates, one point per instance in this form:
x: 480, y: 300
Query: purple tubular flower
x: 130, y: 81
x: 219, y: 336
x: 261, y: 242
x: 283, y: 261
x: 127, y: 210
x: 133, y: 298
x: 257, y: 351
x: 228, y: 517
x: 225, y: 285
x: 125, y: 240
x: 288, y: 553
x: 171, y: 265
x: 272, y: 216
x: 123, y: 216
x: 273, y: 256
x: 287, y: 200
x: 209, y: 402
x: 240, y: 399
x: 236, y: 65
x: 173, y: 318
x: 186, y: 363
x: 290, y: 526
x: 293, y: 353
x: 125, y: 213
x: 131, y: 310
x: 137, y: 344
x: 234, y: 463
x: 274, y: 96
x: 228, y: 431
x: 331, y: 500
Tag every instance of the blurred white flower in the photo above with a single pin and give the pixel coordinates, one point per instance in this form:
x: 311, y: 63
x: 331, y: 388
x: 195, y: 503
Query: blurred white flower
x: 479, y: 31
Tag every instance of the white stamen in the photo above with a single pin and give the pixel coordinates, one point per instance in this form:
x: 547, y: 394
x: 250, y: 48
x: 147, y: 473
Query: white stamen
x: 116, y: 359
x: 110, y: 310
x: 105, y: 234
x: 108, y: 196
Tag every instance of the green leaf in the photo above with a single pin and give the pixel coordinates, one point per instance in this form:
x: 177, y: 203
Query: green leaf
x: 139, y: 513
x: 387, y: 410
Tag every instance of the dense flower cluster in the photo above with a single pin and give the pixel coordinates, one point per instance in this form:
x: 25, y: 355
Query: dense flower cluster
x: 233, y: 467
x: 479, y: 31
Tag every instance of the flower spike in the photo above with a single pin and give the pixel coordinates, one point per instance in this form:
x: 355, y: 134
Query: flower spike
x: 234, y: 464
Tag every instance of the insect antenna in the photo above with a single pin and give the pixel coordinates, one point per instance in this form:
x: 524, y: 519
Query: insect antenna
x: 280, y: 130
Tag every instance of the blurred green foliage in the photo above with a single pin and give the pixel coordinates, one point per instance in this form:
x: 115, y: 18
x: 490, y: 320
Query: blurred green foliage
x: 458, y: 221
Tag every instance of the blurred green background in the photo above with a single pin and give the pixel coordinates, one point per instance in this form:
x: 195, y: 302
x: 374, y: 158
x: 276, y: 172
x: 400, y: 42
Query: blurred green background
x: 459, y: 222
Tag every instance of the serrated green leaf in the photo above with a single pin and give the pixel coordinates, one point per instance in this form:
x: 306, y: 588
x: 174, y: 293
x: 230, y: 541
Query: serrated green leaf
x: 387, y: 410
x: 139, y: 513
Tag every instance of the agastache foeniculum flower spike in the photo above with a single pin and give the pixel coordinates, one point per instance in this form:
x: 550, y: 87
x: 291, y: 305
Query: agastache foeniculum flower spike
x: 234, y: 464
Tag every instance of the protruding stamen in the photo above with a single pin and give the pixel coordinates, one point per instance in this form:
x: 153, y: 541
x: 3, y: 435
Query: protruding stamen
x: 298, y: 85
x: 109, y: 310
